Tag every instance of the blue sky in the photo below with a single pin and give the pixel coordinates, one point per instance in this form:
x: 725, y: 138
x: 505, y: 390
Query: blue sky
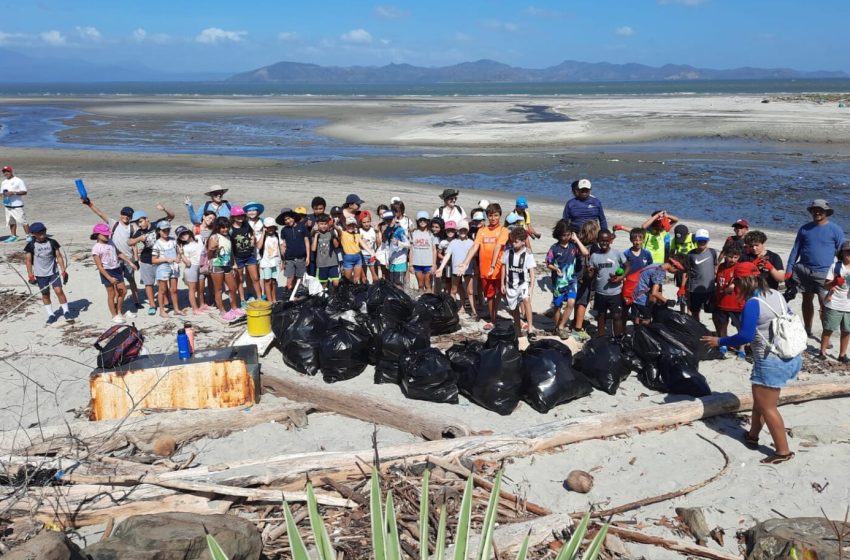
x: 225, y: 36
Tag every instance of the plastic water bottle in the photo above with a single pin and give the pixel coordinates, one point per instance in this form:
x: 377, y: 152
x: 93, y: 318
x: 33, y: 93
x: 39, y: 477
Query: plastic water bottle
x: 620, y: 271
x: 190, y: 334
x: 183, y: 345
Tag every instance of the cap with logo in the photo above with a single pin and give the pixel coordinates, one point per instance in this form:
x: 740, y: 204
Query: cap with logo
x: 582, y: 185
x: 388, y: 215
x: 451, y: 224
x: 701, y: 235
x: 100, y: 229
x: 741, y: 223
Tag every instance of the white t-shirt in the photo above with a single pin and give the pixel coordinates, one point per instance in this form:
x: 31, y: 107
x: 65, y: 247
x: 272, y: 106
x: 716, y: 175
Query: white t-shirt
x: 192, y: 251
x: 457, y: 251
x: 839, y: 301
x: 456, y: 214
x: 271, y: 252
x: 514, y: 271
x: 13, y: 185
x: 370, y: 236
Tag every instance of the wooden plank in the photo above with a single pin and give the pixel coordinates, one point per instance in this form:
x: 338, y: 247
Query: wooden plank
x: 263, y: 343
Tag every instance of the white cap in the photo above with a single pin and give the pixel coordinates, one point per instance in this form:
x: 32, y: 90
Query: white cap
x: 701, y: 235
x: 395, y: 199
x: 463, y: 225
x: 583, y: 184
x: 269, y: 222
x: 444, y: 244
x: 478, y: 216
x: 350, y: 220
x: 483, y: 204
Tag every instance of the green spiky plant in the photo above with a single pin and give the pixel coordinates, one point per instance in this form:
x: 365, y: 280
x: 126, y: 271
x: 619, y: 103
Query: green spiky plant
x: 386, y: 544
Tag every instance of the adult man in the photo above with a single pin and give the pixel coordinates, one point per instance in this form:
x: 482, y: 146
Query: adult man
x: 450, y: 211
x: 216, y: 203
x: 122, y: 231
x: 584, y: 206
x: 143, y: 239
x: 14, y: 190
x: 811, y: 256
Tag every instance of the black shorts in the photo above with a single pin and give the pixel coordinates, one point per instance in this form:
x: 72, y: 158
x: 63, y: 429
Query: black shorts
x: 608, y: 304
x: 726, y: 317
x: 701, y: 301
x: 47, y: 282
x: 640, y: 312
x: 583, y: 293
x: 809, y: 282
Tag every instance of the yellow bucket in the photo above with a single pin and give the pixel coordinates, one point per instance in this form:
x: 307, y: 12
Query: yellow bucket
x: 259, y: 318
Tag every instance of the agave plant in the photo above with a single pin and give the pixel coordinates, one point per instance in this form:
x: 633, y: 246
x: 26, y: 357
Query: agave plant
x: 386, y: 544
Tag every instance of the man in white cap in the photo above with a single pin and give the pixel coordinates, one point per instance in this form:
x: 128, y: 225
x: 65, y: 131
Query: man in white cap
x: 584, y: 207
x: 811, y: 256
x: 14, y: 190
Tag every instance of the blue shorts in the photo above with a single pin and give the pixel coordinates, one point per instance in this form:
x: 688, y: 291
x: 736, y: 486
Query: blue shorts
x: 774, y: 372
x: 566, y: 293
x: 399, y: 267
x: 242, y: 262
x: 422, y: 269
x: 115, y: 273
x: 165, y: 272
x: 352, y: 261
x: 47, y: 282
x: 326, y: 273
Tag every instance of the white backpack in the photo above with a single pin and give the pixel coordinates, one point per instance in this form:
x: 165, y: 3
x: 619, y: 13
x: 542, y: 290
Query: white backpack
x: 787, y: 333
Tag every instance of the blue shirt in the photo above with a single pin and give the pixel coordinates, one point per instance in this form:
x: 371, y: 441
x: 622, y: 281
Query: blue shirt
x: 564, y: 258
x: 650, y: 276
x: 580, y: 211
x: 196, y: 217
x: 637, y: 262
x: 294, y: 237
x: 815, y: 246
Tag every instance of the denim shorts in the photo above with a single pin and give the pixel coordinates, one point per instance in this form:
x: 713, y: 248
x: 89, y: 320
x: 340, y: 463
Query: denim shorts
x: 352, y: 261
x: 774, y: 372
x: 422, y: 269
x: 242, y: 262
x: 47, y: 282
x: 114, y: 273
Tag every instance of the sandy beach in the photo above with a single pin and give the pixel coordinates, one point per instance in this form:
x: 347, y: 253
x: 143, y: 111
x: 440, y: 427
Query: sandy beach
x: 45, y: 370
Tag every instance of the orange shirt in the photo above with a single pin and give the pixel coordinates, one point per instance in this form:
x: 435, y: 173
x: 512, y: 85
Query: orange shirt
x: 490, y: 242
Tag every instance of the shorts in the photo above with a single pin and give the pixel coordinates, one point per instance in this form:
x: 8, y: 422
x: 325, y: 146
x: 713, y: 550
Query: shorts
x: 225, y: 269
x: 15, y: 214
x: 568, y: 292
x: 774, y: 372
x: 515, y: 296
x: 810, y: 282
x: 328, y: 273
x: 191, y: 273
x: 422, y: 269
x: 47, y: 282
x: 490, y: 287
x: 165, y: 272
x: 834, y: 320
x: 399, y: 267
x: 269, y: 272
x: 114, y: 273
x: 294, y: 268
x: 640, y: 312
x: 725, y: 317
x: 242, y: 262
x: 351, y: 261
x: 612, y: 304
x: 703, y: 301
x: 583, y: 293
x: 147, y: 274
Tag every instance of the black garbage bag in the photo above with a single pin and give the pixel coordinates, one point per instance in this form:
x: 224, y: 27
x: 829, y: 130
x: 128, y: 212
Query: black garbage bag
x: 688, y: 331
x: 680, y: 378
x: 344, y: 352
x: 548, y: 376
x: 464, y: 355
x: 302, y: 339
x: 388, y: 301
x: 494, y: 379
x: 651, y: 378
x: 646, y: 345
x: 427, y: 375
x: 441, y: 309
x: 601, y: 362
x: 395, y: 341
x: 672, y: 347
x: 283, y: 314
x: 502, y: 333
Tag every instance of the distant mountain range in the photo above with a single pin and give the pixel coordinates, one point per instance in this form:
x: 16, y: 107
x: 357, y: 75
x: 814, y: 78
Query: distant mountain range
x: 493, y: 71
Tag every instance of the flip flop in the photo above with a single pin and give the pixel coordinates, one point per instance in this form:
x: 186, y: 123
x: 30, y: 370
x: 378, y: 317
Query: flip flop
x: 152, y: 310
x: 776, y: 458
x: 751, y: 443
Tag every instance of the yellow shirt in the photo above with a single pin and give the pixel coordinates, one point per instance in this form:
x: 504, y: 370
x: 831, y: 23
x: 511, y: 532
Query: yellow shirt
x: 350, y: 242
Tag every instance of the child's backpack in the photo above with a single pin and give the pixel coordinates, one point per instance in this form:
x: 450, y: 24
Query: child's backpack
x: 118, y: 345
x: 205, y: 265
x: 787, y: 333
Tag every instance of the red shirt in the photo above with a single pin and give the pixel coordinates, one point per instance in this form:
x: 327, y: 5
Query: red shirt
x: 723, y: 279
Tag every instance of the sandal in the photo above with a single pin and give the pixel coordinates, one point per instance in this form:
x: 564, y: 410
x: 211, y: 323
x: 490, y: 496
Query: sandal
x: 152, y: 311
x: 751, y: 442
x: 776, y: 458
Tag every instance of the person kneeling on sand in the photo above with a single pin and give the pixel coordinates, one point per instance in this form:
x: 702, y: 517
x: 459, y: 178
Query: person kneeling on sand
x: 770, y: 371
x: 647, y: 293
x: 46, y: 268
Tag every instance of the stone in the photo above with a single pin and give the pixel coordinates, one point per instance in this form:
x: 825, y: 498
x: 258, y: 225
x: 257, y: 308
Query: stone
x: 47, y: 545
x: 178, y: 536
x: 773, y: 539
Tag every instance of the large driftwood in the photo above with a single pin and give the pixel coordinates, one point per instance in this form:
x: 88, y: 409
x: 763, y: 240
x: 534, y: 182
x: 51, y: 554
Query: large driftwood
x: 361, y: 405
x: 671, y: 544
x: 286, y: 469
x: 183, y: 426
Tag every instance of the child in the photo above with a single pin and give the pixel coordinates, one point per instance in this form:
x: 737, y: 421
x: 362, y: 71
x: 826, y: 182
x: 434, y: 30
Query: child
x: 837, y: 304
x: 244, y: 254
x: 443, y: 275
x: 587, y: 234
x: 253, y: 211
x: 699, y: 275
x: 46, y: 268
x: 295, y: 239
x: 165, y: 258
x: 461, y: 277
x: 372, y: 237
x: 561, y: 260
x: 727, y: 305
x: 423, y: 253
x: 325, y: 243
x: 521, y: 208
x: 517, y: 280
x: 318, y: 204
x: 220, y: 251
x: 189, y: 251
x: 608, y: 268
x: 352, y: 246
x: 438, y: 231
x: 681, y: 244
x: 648, y: 292
x: 637, y: 256
x: 489, y: 244
x: 107, y: 260
x: 397, y: 253
x: 270, y: 247
x: 385, y: 228
x: 657, y: 239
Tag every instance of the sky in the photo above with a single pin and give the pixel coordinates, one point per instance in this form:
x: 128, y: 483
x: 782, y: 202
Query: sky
x: 225, y: 36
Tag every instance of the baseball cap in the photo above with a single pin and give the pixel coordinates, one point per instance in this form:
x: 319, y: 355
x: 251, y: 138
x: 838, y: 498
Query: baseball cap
x: 582, y: 184
x: 388, y: 215
x: 422, y: 215
x: 483, y: 204
x: 844, y: 247
x: 269, y: 222
x: 463, y: 225
x: 822, y: 204
x: 138, y: 215
x: 353, y: 199
x: 521, y: 202
x: 680, y: 232
x: 100, y: 229
x: 451, y: 224
x: 363, y: 214
x: 741, y: 223
x: 126, y: 211
x: 37, y: 227
x: 181, y: 230
x: 395, y: 199
x: 701, y: 235
x: 745, y: 270
x: 163, y: 224
x: 477, y: 216
x: 300, y: 210
x: 335, y: 210
x: 512, y: 218
x: 350, y: 221
x: 7, y: 168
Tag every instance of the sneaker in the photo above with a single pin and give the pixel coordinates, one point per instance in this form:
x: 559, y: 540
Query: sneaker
x: 152, y: 311
x: 229, y: 315
x: 240, y: 312
x: 129, y: 314
x: 843, y: 359
x: 118, y: 320
x: 581, y: 335
x: 564, y: 333
x: 11, y: 239
x: 821, y: 357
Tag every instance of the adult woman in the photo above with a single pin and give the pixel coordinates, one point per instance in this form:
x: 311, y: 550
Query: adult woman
x: 450, y: 211
x: 770, y: 372
x: 220, y: 251
x: 351, y: 208
x: 216, y: 203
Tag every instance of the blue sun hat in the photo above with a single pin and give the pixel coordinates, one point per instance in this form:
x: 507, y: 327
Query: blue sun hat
x: 521, y: 203
x: 254, y: 206
x: 512, y: 218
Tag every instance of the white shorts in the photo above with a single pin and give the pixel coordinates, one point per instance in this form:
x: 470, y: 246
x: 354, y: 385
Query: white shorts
x: 16, y: 214
x: 515, y: 296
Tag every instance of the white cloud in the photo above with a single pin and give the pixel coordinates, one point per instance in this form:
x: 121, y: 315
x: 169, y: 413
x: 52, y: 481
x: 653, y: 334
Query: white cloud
x: 385, y: 42
x: 536, y: 11
x: 357, y: 36
x: 390, y: 12
x: 625, y: 31
x: 214, y: 35
x: 288, y: 36
x: 682, y: 2
x: 139, y: 35
x: 53, y: 37
x: 89, y: 34
x: 508, y: 26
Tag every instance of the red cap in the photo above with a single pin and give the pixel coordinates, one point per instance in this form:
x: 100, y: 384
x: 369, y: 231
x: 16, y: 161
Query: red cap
x: 364, y: 214
x: 746, y: 270
x: 7, y: 168
x: 676, y: 264
x: 742, y: 223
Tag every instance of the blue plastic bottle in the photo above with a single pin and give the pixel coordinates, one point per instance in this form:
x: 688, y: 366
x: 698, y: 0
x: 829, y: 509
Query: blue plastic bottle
x: 183, y: 345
